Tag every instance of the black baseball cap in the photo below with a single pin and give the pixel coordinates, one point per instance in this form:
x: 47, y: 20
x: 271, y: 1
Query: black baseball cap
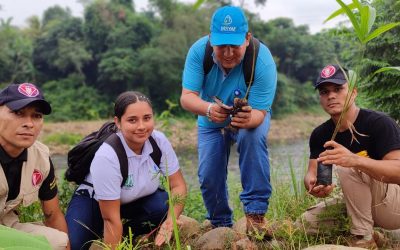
x: 18, y: 96
x: 333, y: 74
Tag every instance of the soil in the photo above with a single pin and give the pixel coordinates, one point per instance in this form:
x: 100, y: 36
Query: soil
x: 183, y: 134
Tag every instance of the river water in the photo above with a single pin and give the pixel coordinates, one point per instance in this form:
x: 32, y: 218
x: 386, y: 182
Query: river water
x: 283, y: 156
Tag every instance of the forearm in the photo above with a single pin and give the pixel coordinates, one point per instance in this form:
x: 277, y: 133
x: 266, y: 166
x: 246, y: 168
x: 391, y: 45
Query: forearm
x: 112, y: 232
x: 180, y: 194
x: 194, y: 104
x: 56, y: 221
x: 257, y: 117
x: 387, y: 171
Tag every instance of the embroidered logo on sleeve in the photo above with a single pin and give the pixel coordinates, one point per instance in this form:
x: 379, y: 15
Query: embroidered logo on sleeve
x: 37, y: 177
x: 53, y: 184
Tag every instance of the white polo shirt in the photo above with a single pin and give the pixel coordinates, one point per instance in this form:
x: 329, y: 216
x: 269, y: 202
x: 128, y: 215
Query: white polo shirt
x: 143, y: 173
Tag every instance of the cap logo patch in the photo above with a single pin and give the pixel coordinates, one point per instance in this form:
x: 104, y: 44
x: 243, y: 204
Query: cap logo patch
x: 328, y: 71
x: 37, y: 177
x: 28, y: 90
x: 227, y: 20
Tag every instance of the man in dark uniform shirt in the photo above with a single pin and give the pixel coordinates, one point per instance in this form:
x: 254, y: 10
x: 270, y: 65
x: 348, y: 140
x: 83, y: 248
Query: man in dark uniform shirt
x: 366, y: 157
x: 27, y: 173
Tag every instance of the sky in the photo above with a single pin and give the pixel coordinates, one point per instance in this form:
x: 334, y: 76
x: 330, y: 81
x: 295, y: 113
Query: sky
x: 310, y: 12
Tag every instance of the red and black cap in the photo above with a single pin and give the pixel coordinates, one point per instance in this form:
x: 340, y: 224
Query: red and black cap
x: 18, y: 96
x: 333, y: 74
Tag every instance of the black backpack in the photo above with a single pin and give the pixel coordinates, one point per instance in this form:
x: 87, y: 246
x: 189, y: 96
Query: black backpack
x: 251, y: 53
x: 80, y: 157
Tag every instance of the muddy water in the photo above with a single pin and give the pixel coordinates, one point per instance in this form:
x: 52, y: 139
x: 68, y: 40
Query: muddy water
x: 282, y: 156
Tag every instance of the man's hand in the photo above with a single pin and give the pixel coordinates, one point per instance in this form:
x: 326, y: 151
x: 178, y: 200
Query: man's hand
x: 338, y: 155
x: 320, y: 191
x: 242, y: 117
x: 218, y: 113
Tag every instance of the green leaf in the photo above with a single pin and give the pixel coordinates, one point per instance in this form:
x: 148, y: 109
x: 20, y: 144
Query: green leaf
x: 197, y: 4
x: 368, y: 15
x: 339, y: 12
x: 386, y: 69
x: 357, y: 4
x: 379, y: 31
x: 352, y: 17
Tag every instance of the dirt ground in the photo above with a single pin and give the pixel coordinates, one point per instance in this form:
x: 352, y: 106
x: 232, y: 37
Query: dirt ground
x: 182, y: 134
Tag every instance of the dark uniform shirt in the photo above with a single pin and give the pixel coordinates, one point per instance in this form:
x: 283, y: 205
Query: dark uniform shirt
x: 377, y: 134
x: 12, y: 168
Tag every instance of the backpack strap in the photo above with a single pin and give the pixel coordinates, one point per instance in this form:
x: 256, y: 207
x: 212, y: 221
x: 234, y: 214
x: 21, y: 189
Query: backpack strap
x: 249, y: 56
x: 156, y: 154
x: 208, y: 61
x: 250, y: 59
x: 114, y: 141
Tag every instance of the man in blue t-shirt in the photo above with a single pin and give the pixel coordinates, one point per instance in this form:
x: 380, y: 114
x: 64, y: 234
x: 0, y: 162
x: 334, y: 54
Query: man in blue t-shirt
x: 211, y: 97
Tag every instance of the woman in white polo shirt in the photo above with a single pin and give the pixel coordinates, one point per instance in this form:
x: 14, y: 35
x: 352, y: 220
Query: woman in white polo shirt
x: 97, y: 211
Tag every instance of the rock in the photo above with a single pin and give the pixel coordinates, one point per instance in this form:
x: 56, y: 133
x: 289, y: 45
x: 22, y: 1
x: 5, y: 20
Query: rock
x: 188, y: 227
x: 245, y: 244
x: 217, y: 239
x: 240, y: 226
x: 331, y: 247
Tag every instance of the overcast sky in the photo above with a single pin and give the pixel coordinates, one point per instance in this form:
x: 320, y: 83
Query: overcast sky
x: 310, y: 12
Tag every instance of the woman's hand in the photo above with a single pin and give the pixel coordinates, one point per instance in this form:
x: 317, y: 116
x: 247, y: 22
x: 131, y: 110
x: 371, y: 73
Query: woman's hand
x: 165, y: 232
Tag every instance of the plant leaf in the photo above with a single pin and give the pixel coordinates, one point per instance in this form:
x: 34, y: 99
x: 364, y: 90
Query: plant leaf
x: 352, y: 17
x: 386, y: 69
x: 368, y: 15
x: 339, y: 12
x: 372, y: 17
x: 379, y: 31
x: 197, y: 4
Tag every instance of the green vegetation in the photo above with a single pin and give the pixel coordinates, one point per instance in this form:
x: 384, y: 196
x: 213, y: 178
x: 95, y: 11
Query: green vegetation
x: 286, y: 206
x: 82, y: 64
x: 69, y: 139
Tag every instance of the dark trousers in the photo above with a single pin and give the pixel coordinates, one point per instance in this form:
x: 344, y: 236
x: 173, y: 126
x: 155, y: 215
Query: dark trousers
x: 85, y: 222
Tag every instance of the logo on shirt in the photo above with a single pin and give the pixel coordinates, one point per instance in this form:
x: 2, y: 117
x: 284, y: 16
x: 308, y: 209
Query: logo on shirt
x: 37, y: 177
x: 129, y: 181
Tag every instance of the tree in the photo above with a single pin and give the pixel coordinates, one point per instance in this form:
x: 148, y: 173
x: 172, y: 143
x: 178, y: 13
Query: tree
x: 15, y: 55
x: 72, y: 101
x: 299, y: 54
x: 116, y: 71
x: 59, y: 50
x: 383, y: 91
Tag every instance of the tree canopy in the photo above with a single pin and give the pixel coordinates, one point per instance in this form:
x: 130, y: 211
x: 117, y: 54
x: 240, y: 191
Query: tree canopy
x: 114, y: 48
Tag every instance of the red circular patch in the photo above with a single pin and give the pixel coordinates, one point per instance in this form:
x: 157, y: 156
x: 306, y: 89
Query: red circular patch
x: 28, y: 89
x: 328, y: 71
x: 37, y: 177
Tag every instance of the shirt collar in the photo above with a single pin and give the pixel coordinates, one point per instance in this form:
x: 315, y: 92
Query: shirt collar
x: 6, y: 159
x: 147, y: 148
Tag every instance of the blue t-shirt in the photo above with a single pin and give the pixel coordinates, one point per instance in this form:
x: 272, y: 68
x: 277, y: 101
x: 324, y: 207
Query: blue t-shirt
x: 215, y: 83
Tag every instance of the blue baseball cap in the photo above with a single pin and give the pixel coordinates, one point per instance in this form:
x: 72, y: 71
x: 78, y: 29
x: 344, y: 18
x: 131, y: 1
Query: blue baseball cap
x: 228, y: 26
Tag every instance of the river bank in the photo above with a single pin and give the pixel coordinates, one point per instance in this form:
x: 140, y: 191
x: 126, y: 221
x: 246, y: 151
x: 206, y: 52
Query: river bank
x: 182, y: 132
